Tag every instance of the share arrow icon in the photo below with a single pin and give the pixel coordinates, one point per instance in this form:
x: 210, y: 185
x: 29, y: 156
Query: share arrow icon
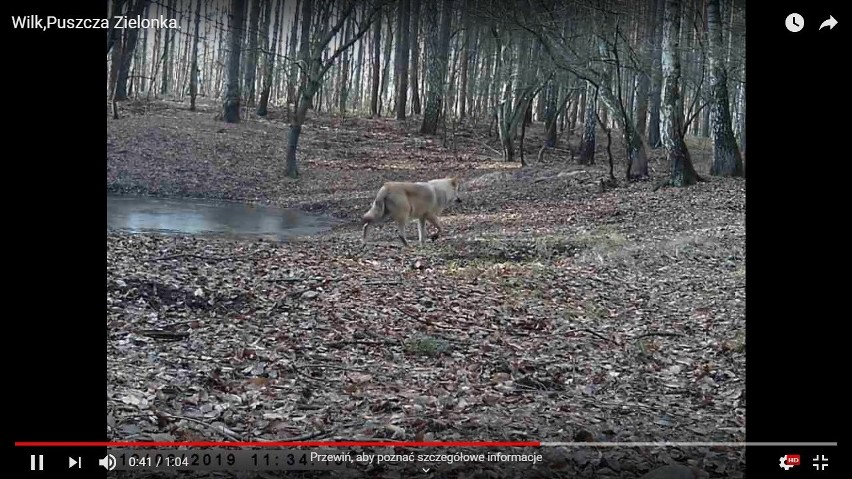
x: 830, y: 23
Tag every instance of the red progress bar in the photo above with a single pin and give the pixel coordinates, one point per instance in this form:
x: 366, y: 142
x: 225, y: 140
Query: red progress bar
x: 279, y: 444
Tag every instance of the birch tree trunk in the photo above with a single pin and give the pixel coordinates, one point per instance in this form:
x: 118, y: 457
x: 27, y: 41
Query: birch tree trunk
x: 681, y: 170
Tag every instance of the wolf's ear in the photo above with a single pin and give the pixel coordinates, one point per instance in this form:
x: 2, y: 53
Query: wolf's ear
x: 454, y: 181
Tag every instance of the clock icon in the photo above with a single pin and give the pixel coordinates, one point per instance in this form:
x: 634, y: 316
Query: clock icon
x: 794, y: 22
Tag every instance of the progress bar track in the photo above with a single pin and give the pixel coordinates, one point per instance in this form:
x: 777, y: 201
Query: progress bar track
x: 688, y: 444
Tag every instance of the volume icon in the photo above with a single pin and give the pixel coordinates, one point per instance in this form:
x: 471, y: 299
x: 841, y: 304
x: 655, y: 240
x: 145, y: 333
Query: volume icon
x: 108, y: 462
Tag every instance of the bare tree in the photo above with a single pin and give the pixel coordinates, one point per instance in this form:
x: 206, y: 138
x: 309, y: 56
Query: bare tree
x: 113, y: 32
x: 251, y: 64
x: 465, y: 59
x: 414, y: 35
x: 231, y: 112
x: 401, y: 61
x: 387, y: 59
x: 588, y: 142
x: 293, y: 69
x: 343, y: 89
x: 644, y: 83
x: 127, y: 51
x: 377, y: 40
x: 314, y: 65
x: 359, y: 66
x: 193, y: 75
x: 168, y: 54
x: 439, y: 47
x: 673, y: 129
x: 304, y: 53
x: 269, y: 57
x: 654, y: 139
x: 726, y: 155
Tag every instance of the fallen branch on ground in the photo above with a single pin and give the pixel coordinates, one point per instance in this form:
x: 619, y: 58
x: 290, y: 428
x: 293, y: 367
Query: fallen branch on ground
x: 645, y: 335
x: 166, y: 335
x: 221, y: 429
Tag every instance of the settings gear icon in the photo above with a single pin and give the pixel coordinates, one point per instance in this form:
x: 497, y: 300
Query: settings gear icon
x: 790, y: 460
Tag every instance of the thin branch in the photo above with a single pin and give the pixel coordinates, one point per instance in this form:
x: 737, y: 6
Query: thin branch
x: 365, y: 26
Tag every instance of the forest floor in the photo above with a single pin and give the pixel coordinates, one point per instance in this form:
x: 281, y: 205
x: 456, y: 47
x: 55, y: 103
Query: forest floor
x: 549, y: 311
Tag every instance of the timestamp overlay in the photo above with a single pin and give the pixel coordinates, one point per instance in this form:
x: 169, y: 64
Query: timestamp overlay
x: 337, y: 460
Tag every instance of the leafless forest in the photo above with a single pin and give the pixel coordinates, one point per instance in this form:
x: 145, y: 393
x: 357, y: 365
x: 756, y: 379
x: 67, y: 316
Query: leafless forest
x: 654, y: 71
x: 590, y: 286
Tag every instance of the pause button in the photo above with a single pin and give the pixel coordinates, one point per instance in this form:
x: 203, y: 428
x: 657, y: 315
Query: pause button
x: 36, y: 462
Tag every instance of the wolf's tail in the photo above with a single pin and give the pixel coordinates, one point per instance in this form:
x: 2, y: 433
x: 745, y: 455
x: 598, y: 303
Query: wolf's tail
x: 378, y: 209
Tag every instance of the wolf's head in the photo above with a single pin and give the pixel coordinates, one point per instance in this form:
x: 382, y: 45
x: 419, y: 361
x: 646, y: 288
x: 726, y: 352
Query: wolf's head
x: 455, y: 183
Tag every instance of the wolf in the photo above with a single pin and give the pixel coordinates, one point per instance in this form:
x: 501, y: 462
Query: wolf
x: 404, y: 201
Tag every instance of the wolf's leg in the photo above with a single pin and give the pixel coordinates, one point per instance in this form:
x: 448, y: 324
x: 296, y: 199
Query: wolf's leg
x: 401, y: 225
x: 421, y: 229
x: 434, y: 220
x: 364, y: 236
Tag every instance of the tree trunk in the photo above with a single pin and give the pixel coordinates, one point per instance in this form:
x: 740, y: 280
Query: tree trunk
x: 465, y: 60
x: 387, y: 62
x: 726, y: 155
x: 682, y: 172
x: 587, y: 144
x: 573, y: 111
x: 269, y: 57
x: 251, y: 66
x: 503, y: 123
x: 654, y: 140
x: 113, y: 32
x: 185, y: 71
x: 437, y: 69
x: 292, y: 169
x: 142, y: 66
x: 742, y: 122
x: 450, y: 92
x: 168, y: 57
x: 644, y: 82
x: 377, y: 55
x: 193, y: 75
x: 221, y: 50
x: 516, y: 100
x: 231, y: 113
x: 550, y: 114
x: 610, y: 95
x: 344, y: 72
x: 127, y: 52
x: 304, y: 50
x: 278, y: 82
x: 402, y: 50
x: 359, y: 70
x: 415, y: 56
x: 206, y: 57
x: 115, y: 62
x: 473, y: 62
x: 704, y: 129
x: 637, y: 159
x: 293, y: 76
